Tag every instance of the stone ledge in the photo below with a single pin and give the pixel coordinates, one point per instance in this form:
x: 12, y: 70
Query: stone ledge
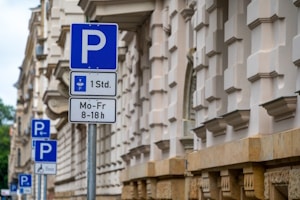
x: 262, y: 148
x: 143, y: 170
x: 172, y: 166
x: 168, y: 167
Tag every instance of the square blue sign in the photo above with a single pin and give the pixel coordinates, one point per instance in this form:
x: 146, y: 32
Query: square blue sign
x: 45, y: 151
x: 40, y: 128
x: 25, y: 180
x: 80, y: 83
x: 94, y: 46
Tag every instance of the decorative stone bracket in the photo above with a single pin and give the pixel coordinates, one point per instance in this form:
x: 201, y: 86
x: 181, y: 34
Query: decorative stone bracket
x: 238, y: 119
x: 217, y: 126
x: 282, y: 107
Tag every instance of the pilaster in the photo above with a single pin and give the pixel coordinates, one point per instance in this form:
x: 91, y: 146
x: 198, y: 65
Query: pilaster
x: 269, y: 63
x: 237, y: 39
x: 216, y: 53
x: 157, y: 82
x: 296, y: 44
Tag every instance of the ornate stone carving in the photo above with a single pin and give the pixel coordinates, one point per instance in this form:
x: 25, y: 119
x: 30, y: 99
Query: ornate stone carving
x: 229, y: 184
x: 275, y: 177
x: 164, y: 190
x: 254, y: 181
x: 209, y: 185
x: 133, y: 190
x: 126, y: 194
x: 193, y: 188
x: 151, y: 188
x: 294, y: 184
x: 290, y: 178
x: 141, y: 189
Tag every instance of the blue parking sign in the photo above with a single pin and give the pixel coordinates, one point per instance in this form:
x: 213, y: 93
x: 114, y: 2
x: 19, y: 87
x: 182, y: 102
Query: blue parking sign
x: 13, y: 188
x: 94, y: 46
x: 45, y: 151
x: 40, y: 128
x: 25, y: 180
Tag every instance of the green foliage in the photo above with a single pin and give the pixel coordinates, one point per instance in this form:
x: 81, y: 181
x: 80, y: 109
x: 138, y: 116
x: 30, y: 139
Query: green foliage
x: 6, y: 113
x: 6, y: 116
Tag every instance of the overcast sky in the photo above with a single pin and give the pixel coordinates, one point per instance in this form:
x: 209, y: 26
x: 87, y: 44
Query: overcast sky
x: 14, y: 19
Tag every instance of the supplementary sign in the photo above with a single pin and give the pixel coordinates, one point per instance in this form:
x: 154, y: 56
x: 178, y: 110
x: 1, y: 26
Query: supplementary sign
x: 93, y: 83
x: 94, y: 110
x: 5, y: 192
x: 45, y: 168
x: 40, y: 128
x: 94, y: 46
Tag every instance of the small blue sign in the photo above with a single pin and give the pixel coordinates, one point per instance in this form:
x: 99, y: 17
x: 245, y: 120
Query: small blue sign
x: 94, y: 46
x: 80, y: 83
x: 46, y: 151
x: 40, y: 128
x: 13, y: 188
x: 25, y: 180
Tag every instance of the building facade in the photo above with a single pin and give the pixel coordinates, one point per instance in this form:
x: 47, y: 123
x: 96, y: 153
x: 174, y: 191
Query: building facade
x: 207, y: 102
x: 30, y: 88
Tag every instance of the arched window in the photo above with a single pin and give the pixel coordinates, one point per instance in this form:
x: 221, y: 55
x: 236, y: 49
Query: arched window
x: 190, y: 87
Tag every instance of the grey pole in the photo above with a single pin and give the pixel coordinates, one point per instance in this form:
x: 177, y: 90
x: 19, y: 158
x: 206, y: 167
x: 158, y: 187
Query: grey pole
x: 39, y: 186
x: 45, y: 187
x: 91, y: 162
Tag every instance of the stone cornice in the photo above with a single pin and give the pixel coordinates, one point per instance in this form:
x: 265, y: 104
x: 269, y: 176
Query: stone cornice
x: 128, y: 14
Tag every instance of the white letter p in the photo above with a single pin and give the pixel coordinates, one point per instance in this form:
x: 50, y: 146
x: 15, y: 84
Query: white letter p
x: 86, y: 47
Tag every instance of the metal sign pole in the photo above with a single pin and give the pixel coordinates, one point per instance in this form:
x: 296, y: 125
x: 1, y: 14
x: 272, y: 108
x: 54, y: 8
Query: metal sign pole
x: 45, y: 187
x: 39, y: 186
x: 91, y: 162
